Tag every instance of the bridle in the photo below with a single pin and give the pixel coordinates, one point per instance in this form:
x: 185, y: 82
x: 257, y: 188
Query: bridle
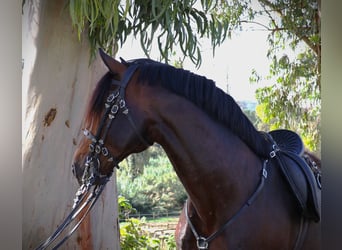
x: 115, y: 103
x: 93, y: 182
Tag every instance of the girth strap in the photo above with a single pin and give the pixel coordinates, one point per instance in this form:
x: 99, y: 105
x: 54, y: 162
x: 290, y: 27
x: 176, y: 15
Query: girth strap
x: 304, y: 223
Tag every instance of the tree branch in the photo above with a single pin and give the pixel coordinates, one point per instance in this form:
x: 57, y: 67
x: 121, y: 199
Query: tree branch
x: 295, y: 31
x: 254, y: 22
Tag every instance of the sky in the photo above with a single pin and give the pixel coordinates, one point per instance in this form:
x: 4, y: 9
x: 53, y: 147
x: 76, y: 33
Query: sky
x: 232, y: 64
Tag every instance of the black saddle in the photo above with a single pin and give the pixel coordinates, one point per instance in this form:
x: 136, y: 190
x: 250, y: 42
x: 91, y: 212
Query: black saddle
x: 302, y: 176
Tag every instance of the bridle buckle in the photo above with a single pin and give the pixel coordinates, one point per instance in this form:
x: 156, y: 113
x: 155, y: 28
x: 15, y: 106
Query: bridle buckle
x: 202, y: 243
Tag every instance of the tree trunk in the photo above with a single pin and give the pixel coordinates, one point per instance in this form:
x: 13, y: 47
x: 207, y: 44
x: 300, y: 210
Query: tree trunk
x: 57, y: 80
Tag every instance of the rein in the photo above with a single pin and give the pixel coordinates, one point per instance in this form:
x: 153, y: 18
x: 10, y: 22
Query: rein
x: 78, y: 207
x: 93, y: 182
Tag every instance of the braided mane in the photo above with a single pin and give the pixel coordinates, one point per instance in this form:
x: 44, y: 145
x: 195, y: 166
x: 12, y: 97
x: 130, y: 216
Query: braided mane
x: 205, y: 95
x: 199, y: 90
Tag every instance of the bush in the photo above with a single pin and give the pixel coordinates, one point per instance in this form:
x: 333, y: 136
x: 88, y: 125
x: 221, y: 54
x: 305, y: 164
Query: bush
x: 133, y: 237
x: 125, y: 208
x: 156, y: 190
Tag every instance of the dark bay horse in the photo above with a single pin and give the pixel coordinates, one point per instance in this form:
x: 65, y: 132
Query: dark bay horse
x: 238, y: 197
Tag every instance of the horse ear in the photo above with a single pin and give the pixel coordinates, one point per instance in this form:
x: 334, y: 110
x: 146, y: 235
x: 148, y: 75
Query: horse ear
x: 113, y: 65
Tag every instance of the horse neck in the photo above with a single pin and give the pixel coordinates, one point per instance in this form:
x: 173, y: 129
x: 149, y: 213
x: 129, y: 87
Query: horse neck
x: 213, y: 164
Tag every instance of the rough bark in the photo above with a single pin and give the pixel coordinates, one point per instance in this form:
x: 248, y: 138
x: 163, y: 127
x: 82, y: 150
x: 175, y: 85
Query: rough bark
x: 57, y: 80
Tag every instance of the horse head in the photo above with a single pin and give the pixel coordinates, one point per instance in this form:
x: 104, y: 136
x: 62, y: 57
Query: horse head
x: 114, y: 123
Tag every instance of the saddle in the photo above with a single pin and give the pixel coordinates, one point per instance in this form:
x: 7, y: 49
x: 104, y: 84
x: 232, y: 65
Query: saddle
x: 302, y: 174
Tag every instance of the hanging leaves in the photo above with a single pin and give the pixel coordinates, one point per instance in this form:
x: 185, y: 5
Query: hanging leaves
x: 162, y: 23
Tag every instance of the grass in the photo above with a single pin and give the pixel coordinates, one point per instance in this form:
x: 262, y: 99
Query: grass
x: 157, y: 220
x: 163, y: 219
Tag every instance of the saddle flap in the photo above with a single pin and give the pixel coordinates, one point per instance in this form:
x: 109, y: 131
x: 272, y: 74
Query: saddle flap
x: 302, y: 183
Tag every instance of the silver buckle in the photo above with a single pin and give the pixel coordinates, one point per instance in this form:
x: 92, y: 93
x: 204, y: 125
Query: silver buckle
x: 264, y: 173
x: 202, y: 243
x: 274, y: 151
x: 114, y: 109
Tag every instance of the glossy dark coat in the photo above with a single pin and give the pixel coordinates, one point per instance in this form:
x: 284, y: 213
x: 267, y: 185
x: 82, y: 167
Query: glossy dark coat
x: 214, y: 149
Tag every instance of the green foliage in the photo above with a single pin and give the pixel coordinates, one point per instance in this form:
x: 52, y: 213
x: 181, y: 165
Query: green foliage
x: 132, y: 234
x: 135, y: 163
x: 170, y: 242
x: 133, y: 237
x: 125, y: 207
x: 160, y: 23
x: 156, y: 190
x: 293, y: 100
